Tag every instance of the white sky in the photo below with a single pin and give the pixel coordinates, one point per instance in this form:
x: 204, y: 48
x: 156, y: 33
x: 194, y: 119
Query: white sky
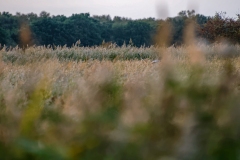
x: 125, y: 8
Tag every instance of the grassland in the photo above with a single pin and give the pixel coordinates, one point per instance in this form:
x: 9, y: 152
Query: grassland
x: 114, y: 103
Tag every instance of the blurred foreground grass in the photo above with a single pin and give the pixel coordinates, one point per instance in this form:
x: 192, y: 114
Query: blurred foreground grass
x: 113, y: 103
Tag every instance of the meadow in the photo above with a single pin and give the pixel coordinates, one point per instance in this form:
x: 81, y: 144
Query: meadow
x: 111, y: 102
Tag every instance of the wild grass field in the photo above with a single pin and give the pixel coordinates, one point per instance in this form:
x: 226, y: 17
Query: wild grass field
x: 114, y: 103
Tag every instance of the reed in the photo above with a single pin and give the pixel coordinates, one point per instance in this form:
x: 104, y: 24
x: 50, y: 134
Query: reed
x: 113, y: 103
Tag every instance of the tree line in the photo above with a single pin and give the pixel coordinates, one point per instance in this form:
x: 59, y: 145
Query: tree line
x: 44, y: 29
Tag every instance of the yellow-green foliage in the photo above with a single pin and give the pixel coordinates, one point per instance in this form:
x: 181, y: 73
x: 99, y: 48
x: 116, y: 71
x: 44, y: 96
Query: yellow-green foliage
x: 114, y: 103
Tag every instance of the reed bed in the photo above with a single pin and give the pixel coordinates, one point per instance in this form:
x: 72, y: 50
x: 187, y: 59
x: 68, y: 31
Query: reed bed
x: 114, y: 103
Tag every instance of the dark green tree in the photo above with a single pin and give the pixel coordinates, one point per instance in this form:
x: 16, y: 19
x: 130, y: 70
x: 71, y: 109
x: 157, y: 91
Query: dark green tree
x: 9, y: 29
x: 83, y: 27
x: 139, y: 32
x: 48, y: 30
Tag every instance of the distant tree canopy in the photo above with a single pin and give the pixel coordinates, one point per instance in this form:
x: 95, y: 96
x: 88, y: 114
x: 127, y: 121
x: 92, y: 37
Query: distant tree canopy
x: 220, y: 27
x: 44, y: 29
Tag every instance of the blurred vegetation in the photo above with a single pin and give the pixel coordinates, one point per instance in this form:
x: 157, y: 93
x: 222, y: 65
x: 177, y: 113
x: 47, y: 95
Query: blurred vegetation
x: 112, y: 101
x: 53, y: 107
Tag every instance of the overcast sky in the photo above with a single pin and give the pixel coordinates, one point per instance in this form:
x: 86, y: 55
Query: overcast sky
x: 125, y: 8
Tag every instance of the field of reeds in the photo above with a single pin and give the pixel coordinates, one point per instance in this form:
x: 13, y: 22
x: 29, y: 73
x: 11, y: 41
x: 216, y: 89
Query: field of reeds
x: 114, y: 103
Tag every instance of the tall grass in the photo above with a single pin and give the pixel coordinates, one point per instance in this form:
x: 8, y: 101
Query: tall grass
x: 77, y: 54
x: 113, y: 103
